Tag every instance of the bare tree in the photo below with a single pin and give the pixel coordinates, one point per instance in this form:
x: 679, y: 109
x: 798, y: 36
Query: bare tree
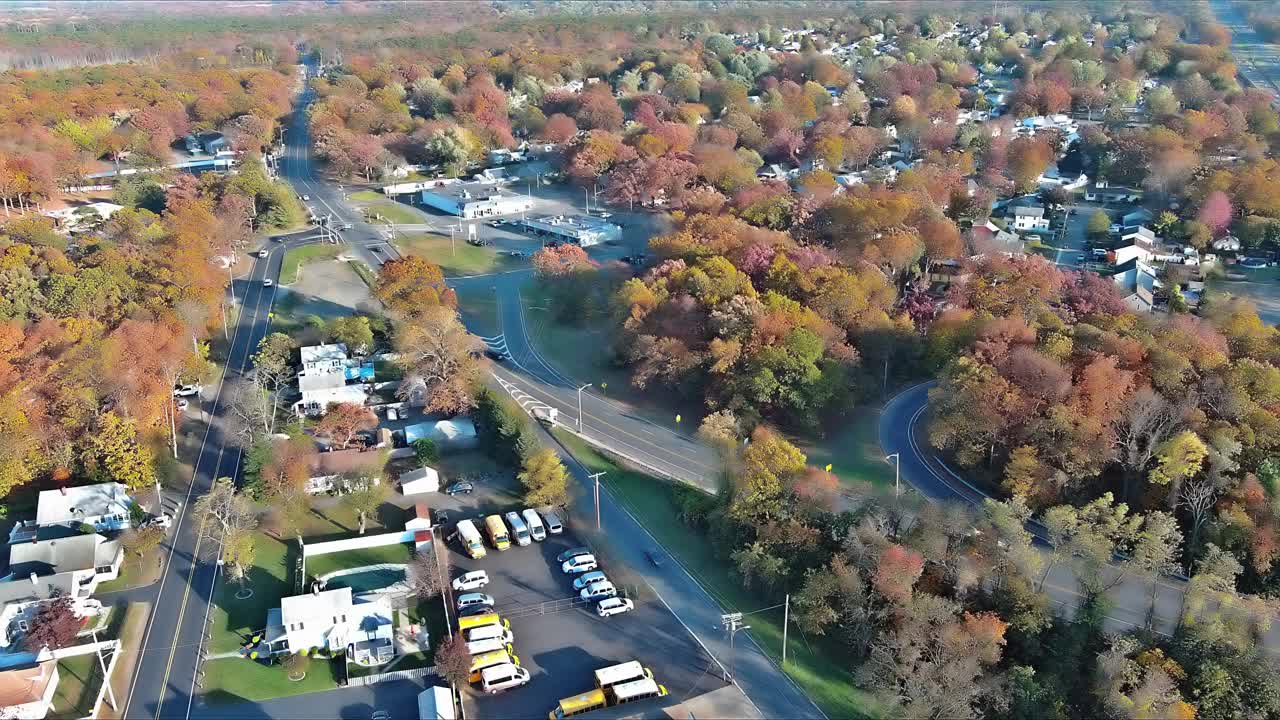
x: 224, y: 513
x: 1198, y: 497
x: 1146, y: 423
x: 254, y: 408
x: 427, y: 576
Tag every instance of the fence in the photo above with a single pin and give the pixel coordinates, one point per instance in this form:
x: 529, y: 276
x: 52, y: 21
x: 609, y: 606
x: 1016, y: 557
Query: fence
x: 359, y: 542
x: 413, y: 674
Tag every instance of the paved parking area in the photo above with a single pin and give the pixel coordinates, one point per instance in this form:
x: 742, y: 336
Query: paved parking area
x: 329, y: 288
x: 561, y: 649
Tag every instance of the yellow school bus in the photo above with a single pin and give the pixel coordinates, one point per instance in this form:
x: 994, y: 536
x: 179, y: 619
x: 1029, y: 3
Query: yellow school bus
x: 489, y: 659
x: 579, y: 704
x: 475, y: 621
x: 497, y: 532
x: 636, y: 690
x: 471, y: 539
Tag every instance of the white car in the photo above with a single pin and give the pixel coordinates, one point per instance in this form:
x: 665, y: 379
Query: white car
x: 267, y: 283
x: 187, y: 390
x: 473, y: 580
x: 183, y: 404
x: 598, y: 591
x: 588, y: 578
x: 579, y: 564
x: 473, y: 599
x: 263, y: 253
x: 613, y: 606
x: 306, y: 198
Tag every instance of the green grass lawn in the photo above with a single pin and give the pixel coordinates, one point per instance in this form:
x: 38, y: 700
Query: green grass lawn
x: 236, y: 620
x: 367, y: 196
x: 321, y: 565
x: 134, y: 572
x: 852, y: 448
x: 390, y: 211
x: 336, y: 520
x: 455, y: 257
x: 817, y: 665
x: 229, y: 680
x: 79, y: 679
x: 295, y: 258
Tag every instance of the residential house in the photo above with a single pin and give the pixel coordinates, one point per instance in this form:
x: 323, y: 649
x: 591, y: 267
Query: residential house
x: 778, y: 171
x: 420, y: 480
x: 1141, y: 216
x: 329, y: 376
x: 1029, y: 218
x: 59, y: 562
x: 335, y: 621
x: 1053, y: 177
x: 1101, y: 191
x: 989, y: 239
x: 329, y: 470
x: 104, y: 506
x: 208, y: 143
x: 26, y: 693
x: 1139, y: 284
x: 1140, y: 235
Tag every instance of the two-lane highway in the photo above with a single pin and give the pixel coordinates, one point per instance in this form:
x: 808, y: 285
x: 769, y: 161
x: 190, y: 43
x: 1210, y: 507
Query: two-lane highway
x: 166, y: 673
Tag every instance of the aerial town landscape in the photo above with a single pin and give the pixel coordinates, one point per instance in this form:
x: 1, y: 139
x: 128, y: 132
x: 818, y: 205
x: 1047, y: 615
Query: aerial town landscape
x: 639, y: 359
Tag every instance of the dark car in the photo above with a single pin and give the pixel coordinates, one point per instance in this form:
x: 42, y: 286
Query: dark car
x: 477, y: 609
x: 655, y: 557
x: 462, y: 487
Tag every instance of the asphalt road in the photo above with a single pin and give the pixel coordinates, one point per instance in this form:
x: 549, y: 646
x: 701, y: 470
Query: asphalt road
x: 1256, y: 60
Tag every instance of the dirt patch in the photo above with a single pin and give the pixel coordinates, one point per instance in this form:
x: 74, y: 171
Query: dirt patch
x: 328, y: 289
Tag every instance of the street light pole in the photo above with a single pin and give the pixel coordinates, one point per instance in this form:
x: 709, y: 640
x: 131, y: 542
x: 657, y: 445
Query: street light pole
x: 732, y: 623
x: 584, y: 387
x: 596, y: 477
x: 897, y: 470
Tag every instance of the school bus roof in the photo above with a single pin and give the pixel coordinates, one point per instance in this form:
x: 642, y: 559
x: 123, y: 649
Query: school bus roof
x: 476, y: 621
x: 620, y: 673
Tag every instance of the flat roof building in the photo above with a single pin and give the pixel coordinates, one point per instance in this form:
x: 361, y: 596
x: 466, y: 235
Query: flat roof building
x: 476, y: 199
x: 583, y: 230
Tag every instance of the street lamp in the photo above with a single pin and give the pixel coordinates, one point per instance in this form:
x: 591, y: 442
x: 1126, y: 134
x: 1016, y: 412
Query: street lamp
x: 897, y: 470
x: 584, y: 387
x: 732, y: 623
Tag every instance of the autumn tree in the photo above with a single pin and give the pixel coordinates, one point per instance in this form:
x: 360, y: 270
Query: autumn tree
x: 342, y: 422
x: 54, y: 626
x: 439, y: 359
x: 410, y: 285
x: 453, y: 660
x: 545, y: 479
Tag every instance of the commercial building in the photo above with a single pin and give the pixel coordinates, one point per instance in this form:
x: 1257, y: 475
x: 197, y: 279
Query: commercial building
x: 475, y: 200
x: 583, y: 230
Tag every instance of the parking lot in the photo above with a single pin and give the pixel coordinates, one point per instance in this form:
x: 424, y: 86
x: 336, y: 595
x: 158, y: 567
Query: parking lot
x: 560, y: 642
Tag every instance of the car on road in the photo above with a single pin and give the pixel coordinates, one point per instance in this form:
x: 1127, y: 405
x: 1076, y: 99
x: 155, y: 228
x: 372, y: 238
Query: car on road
x: 182, y: 404
x: 462, y: 487
x: 267, y: 282
x: 605, y: 215
x: 375, y: 249
x: 516, y: 253
x: 494, y: 223
x: 306, y: 198
x: 598, y: 591
x: 263, y: 253
x: 160, y: 521
x: 571, y: 553
x: 473, y: 580
x: 187, y: 390
x: 471, y: 600
x: 655, y: 557
x: 588, y: 578
x: 614, y: 606
x: 346, y: 226
x: 380, y: 715
x: 579, y: 564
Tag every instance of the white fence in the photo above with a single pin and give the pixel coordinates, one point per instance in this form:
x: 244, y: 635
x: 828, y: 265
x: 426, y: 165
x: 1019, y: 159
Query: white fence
x: 413, y: 674
x: 360, y: 542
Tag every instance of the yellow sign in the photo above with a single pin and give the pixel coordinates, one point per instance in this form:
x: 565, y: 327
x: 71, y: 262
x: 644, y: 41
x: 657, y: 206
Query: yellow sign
x: 677, y: 418
x: 828, y: 467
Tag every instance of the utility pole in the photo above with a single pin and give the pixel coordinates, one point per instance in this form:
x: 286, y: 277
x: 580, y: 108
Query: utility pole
x: 786, y: 620
x: 596, y: 477
x: 897, y: 470
x: 586, y: 198
x: 732, y: 623
x: 584, y: 387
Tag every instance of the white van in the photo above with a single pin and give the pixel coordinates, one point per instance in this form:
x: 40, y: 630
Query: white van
x: 490, y: 632
x: 480, y: 647
x: 536, y: 529
x: 502, y: 677
x: 471, y: 600
x: 518, y: 529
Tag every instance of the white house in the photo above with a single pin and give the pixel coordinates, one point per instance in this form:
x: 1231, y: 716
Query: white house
x: 581, y: 230
x: 335, y: 621
x: 326, y: 378
x: 1029, y: 218
x: 1101, y: 191
x: 474, y: 199
x: 105, y: 506
x: 1140, y: 235
x: 328, y: 469
x: 60, y: 563
x: 422, y: 480
x: 26, y: 693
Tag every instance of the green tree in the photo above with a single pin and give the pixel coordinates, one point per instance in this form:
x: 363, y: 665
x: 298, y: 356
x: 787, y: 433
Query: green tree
x: 1178, y: 458
x: 1099, y: 224
x: 768, y: 464
x: 426, y: 452
x: 353, y: 331
x: 364, y: 497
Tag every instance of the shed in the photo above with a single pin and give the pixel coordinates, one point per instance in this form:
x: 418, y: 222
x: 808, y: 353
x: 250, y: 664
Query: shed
x: 421, y: 480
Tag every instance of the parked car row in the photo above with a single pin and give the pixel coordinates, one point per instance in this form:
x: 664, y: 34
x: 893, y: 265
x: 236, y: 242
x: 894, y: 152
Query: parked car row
x: 592, y: 584
x: 494, y: 664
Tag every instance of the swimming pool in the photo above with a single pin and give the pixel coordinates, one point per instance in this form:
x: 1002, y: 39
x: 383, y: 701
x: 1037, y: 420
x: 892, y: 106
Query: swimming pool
x: 371, y: 578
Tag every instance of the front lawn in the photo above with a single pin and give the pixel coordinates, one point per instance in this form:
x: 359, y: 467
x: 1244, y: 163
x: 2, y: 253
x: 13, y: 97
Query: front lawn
x: 135, y: 572
x: 321, y: 565
x: 332, y: 519
x: 817, y: 665
x: 229, y: 680
x: 456, y: 256
x: 295, y: 258
x: 79, y: 679
x: 235, y: 621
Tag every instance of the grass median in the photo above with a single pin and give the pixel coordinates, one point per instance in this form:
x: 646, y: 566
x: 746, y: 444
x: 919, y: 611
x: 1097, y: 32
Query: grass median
x: 454, y: 256
x: 296, y: 257
x: 817, y: 665
x: 229, y: 680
